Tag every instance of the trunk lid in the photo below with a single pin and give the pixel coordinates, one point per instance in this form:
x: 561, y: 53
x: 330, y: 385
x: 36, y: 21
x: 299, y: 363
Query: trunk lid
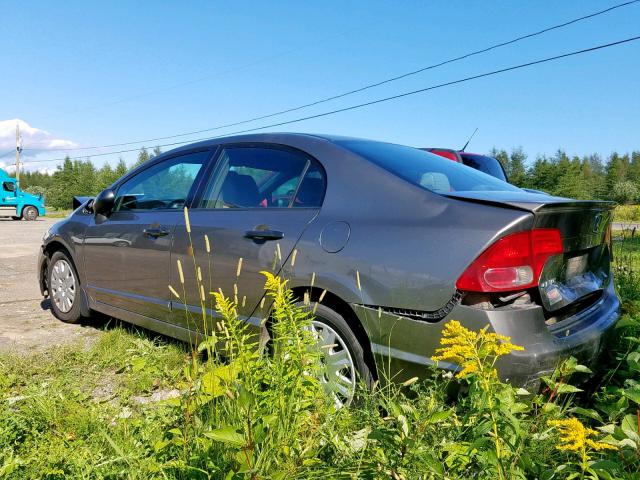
x: 582, y: 271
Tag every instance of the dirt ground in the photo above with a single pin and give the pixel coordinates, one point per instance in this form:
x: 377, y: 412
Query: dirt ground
x: 26, y: 321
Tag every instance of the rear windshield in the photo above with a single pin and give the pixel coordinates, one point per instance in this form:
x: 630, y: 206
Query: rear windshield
x: 488, y: 165
x: 425, y: 169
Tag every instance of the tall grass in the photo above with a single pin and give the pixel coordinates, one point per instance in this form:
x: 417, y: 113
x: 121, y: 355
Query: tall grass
x: 134, y: 407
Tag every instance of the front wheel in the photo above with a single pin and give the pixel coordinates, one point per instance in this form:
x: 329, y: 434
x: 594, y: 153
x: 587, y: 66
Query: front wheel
x: 343, y: 357
x: 64, y: 288
x: 30, y: 213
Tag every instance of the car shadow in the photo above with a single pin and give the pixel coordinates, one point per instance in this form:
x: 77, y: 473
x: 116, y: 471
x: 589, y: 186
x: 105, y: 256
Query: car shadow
x: 101, y: 322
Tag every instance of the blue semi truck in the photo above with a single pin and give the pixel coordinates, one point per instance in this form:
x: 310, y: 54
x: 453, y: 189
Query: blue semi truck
x: 16, y: 203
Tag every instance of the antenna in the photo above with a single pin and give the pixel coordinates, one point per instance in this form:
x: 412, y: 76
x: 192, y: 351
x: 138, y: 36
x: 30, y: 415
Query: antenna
x: 466, y: 144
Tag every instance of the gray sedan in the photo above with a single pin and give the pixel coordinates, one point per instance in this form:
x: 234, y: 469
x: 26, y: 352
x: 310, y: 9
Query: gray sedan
x: 392, y: 241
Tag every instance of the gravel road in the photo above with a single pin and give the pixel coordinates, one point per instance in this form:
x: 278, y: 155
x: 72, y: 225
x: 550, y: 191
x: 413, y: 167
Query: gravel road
x: 26, y: 322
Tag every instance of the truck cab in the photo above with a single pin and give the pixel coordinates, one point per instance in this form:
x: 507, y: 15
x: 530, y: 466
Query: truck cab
x: 16, y: 203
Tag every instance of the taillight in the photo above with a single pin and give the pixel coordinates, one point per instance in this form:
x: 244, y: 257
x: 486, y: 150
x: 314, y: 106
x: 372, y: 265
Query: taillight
x: 512, y: 263
x: 445, y: 153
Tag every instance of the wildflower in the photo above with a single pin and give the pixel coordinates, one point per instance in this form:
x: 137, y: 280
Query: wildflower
x: 293, y: 257
x: 206, y: 244
x: 358, y: 280
x: 575, y: 437
x: 470, y: 349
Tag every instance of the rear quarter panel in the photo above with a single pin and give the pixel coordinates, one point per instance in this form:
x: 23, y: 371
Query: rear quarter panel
x: 407, y: 245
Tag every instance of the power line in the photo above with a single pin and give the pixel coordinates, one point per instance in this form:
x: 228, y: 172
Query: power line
x: 8, y: 152
x: 384, y: 99
x: 360, y: 89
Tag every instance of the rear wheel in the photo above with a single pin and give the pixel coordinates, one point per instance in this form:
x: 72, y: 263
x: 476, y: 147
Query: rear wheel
x: 343, y: 359
x: 64, y: 288
x: 30, y: 213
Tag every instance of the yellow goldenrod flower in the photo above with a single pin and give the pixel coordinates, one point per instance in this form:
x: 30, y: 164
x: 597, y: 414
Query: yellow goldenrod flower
x: 575, y: 437
x: 469, y: 349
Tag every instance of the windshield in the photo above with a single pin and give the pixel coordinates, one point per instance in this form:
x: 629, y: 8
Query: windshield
x: 424, y: 169
x: 485, y: 164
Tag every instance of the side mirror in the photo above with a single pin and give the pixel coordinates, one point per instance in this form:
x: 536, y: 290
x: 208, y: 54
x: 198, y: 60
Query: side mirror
x: 104, y: 202
x: 9, y: 186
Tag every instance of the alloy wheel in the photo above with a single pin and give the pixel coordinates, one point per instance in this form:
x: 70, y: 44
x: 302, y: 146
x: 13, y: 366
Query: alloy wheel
x: 63, y: 285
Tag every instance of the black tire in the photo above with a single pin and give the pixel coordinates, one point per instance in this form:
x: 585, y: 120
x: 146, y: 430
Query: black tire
x: 326, y: 316
x: 30, y: 213
x: 16, y: 218
x: 61, y: 268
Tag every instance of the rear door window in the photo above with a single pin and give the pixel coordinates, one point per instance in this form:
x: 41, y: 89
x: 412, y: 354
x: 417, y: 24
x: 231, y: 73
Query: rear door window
x: 263, y: 177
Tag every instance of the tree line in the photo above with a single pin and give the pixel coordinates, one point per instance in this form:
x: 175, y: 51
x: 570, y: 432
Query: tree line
x: 588, y: 177
x: 78, y: 178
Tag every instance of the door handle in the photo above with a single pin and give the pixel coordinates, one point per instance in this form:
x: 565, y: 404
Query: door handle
x: 264, y: 234
x: 155, y: 232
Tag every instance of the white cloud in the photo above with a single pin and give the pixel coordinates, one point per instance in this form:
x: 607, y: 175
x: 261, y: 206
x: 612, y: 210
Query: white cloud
x: 32, y: 138
x: 35, y: 142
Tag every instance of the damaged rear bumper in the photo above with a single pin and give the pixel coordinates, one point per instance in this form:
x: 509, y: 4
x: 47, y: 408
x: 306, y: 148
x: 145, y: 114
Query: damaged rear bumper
x: 402, y: 347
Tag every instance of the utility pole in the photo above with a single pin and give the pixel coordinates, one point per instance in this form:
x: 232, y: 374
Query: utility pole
x: 18, y: 151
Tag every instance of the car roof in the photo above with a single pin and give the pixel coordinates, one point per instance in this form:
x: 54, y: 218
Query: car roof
x: 270, y: 137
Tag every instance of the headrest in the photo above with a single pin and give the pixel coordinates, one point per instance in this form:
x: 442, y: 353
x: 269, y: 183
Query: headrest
x: 240, y: 190
x: 311, y: 192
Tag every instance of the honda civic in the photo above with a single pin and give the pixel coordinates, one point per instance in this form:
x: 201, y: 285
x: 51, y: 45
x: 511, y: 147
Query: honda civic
x: 391, y: 242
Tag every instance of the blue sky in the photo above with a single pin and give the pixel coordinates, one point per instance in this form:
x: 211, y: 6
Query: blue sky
x: 97, y: 73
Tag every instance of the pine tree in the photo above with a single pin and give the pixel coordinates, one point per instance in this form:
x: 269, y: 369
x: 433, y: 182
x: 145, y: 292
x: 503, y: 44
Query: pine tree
x: 143, y: 156
x: 517, y: 170
x: 121, y: 168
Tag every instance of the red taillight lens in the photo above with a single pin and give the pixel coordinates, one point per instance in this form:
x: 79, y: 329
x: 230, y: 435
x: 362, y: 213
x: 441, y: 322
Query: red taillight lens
x: 512, y: 263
